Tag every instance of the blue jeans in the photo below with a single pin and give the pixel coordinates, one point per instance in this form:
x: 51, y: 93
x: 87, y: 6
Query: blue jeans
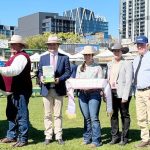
x: 90, y: 105
x: 18, y: 117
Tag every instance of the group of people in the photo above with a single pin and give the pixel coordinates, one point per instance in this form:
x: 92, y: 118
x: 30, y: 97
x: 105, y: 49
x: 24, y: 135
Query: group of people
x: 122, y: 75
x: 126, y: 78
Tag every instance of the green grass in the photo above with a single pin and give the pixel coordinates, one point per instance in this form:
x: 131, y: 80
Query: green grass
x: 72, y: 129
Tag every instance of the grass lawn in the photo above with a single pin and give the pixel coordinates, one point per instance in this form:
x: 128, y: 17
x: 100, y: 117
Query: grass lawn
x: 72, y: 129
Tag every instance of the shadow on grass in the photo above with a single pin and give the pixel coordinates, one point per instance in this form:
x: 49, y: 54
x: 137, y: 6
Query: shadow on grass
x: 36, y: 135
x: 72, y: 133
x: 134, y: 135
x: 3, y: 128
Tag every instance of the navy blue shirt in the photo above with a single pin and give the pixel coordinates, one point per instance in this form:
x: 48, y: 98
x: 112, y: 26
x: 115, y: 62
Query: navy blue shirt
x: 73, y: 70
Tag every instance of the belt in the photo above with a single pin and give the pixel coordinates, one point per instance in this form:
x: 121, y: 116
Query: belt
x: 114, y: 91
x: 90, y: 91
x: 147, y: 88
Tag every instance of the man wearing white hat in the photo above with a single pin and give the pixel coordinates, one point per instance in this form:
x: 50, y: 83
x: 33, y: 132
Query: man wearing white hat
x: 53, y: 92
x: 16, y: 75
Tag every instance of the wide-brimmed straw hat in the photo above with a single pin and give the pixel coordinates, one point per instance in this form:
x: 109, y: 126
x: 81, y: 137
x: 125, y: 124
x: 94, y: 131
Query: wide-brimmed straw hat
x: 118, y: 46
x: 17, y: 39
x: 53, y: 39
x: 89, y: 50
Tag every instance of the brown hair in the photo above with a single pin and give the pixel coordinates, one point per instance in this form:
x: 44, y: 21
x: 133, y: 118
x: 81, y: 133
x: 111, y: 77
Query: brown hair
x: 83, y: 67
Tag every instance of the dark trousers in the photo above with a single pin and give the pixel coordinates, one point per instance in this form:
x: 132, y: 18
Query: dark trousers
x: 18, y: 117
x: 125, y: 118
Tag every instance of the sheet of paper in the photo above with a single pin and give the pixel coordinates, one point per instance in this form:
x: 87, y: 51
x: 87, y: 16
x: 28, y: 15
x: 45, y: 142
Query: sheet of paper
x: 48, y: 74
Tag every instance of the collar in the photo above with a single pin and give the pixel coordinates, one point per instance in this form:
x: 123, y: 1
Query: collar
x: 55, y: 53
x: 122, y: 59
x: 146, y: 52
x: 92, y: 64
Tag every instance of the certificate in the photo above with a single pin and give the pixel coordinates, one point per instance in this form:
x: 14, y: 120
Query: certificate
x: 48, y: 74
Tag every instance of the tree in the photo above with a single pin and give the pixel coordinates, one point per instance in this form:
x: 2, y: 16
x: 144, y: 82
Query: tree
x: 38, y: 41
x: 2, y: 37
x: 69, y: 37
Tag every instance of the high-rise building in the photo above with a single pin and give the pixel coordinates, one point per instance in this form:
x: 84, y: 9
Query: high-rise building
x: 7, y: 31
x: 134, y: 18
x: 86, y: 22
x: 41, y: 22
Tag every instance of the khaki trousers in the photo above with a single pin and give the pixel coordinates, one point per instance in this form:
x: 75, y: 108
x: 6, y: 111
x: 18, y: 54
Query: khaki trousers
x: 53, y: 107
x: 143, y: 113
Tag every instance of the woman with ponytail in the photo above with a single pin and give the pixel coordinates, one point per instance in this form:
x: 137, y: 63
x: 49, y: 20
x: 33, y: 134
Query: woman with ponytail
x: 90, y: 100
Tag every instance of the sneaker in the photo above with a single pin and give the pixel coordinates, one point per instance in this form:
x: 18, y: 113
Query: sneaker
x: 86, y: 142
x: 92, y: 146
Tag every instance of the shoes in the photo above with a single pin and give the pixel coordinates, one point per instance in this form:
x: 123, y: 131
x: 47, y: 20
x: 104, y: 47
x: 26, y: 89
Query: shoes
x: 7, y: 140
x: 92, y: 146
x: 20, y: 144
x: 114, y: 141
x: 47, y: 141
x: 60, y: 142
x: 122, y: 143
x: 142, y: 144
x: 86, y: 142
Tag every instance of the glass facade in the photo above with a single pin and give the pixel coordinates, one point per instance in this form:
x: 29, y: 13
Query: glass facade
x: 58, y: 24
x: 86, y: 22
x: 7, y: 31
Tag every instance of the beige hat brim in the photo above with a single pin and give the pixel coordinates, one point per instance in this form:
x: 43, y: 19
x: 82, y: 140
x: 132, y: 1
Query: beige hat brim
x: 13, y: 42
x: 88, y: 53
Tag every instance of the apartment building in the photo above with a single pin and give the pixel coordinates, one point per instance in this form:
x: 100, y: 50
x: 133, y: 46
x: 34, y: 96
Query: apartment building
x: 134, y: 18
x: 41, y: 22
x: 86, y: 22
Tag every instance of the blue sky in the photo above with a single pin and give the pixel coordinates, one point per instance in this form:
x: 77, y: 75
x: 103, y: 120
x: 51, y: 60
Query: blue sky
x: 11, y: 10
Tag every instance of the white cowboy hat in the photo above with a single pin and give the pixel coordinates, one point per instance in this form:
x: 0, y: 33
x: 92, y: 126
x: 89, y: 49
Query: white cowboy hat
x: 118, y: 46
x: 89, y: 50
x: 53, y: 39
x: 17, y: 39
